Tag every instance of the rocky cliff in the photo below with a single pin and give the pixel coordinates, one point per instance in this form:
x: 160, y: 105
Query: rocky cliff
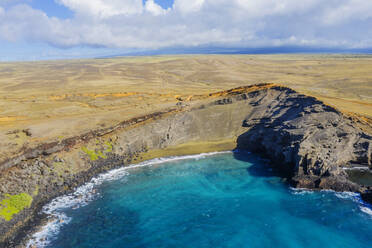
x: 309, y: 142
x: 312, y: 142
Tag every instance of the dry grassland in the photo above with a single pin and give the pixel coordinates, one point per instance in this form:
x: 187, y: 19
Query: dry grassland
x: 53, y: 100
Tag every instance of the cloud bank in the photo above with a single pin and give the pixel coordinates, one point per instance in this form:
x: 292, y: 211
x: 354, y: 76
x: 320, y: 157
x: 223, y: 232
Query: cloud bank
x: 188, y: 23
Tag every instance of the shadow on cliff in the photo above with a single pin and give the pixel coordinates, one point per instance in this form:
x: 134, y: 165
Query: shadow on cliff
x: 271, y: 135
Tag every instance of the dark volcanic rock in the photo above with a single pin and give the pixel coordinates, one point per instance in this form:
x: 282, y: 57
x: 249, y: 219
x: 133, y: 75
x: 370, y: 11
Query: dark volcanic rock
x: 308, y: 142
x: 367, y: 196
x: 311, y: 141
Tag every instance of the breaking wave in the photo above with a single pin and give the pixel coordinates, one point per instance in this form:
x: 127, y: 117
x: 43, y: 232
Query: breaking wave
x: 86, y: 193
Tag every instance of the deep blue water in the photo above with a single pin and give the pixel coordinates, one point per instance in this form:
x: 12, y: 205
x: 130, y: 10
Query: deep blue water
x: 225, y: 200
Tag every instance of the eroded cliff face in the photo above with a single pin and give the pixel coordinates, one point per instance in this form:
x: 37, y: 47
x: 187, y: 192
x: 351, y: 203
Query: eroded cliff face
x: 313, y: 142
x: 309, y: 141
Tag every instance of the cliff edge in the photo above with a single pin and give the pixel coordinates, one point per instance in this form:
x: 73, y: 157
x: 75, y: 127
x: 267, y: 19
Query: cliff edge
x: 313, y: 145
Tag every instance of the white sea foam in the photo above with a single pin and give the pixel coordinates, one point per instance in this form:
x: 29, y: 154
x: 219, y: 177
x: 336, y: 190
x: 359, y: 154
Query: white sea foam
x: 86, y: 193
x: 364, y: 207
x: 363, y: 168
x: 175, y: 158
x: 366, y: 210
x: 348, y: 195
x: 43, y: 237
x: 342, y: 195
x: 301, y: 191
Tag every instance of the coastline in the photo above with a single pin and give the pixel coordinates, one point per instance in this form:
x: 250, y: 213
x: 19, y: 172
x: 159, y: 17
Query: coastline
x: 270, y: 120
x: 49, y: 224
x: 187, y: 150
x: 49, y: 221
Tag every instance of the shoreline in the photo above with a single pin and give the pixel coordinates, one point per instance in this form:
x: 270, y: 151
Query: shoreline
x: 273, y: 121
x: 50, y: 221
x: 49, y: 217
x: 187, y: 149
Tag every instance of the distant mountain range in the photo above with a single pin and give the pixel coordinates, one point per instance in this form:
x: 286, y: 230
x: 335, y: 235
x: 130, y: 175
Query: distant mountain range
x: 242, y: 50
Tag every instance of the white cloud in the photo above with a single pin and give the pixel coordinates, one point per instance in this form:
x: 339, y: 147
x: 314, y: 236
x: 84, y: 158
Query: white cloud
x: 187, y: 6
x: 244, y: 23
x: 154, y: 8
x: 348, y: 10
x: 275, y: 7
x: 104, y: 8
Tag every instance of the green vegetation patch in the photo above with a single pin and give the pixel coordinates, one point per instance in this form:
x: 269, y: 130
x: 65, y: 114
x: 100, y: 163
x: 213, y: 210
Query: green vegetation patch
x: 100, y: 152
x: 108, y: 146
x: 13, y: 204
x: 93, y: 155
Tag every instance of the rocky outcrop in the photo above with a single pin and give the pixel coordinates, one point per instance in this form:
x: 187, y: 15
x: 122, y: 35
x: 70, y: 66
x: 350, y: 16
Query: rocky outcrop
x: 309, y: 142
x: 312, y: 142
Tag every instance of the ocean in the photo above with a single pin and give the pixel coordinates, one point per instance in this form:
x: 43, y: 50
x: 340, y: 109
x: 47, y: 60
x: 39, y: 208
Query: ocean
x: 224, y: 199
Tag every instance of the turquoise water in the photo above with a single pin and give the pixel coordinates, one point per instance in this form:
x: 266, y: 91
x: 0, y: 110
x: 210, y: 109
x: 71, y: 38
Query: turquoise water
x: 224, y: 200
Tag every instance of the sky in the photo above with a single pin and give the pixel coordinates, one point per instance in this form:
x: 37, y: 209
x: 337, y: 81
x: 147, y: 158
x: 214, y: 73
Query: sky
x: 57, y: 29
